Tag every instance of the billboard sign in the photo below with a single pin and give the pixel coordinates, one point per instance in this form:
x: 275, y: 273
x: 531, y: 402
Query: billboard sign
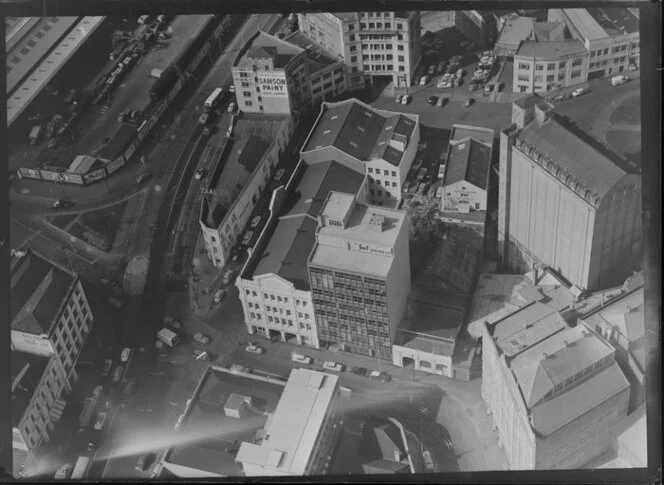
x: 95, y: 175
x: 115, y: 164
x: 272, y: 85
x: 73, y: 178
x: 130, y: 151
x: 48, y: 175
x: 27, y: 172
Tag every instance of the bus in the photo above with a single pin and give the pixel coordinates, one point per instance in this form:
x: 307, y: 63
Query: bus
x: 81, y: 468
x: 212, y: 100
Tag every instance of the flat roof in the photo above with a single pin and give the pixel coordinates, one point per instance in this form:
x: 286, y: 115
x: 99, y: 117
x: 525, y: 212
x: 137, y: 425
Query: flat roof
x: 358, y: 230
x: 38, y: 291
x: 360, y: 131
x: 27, y: 371
x: 550, y: 49
x: 267, y: 46
x: 514, y: 31
x: 295, y: 424
x: 337, y: 205
x: 210, y: 434
x: 429, y: 319
x: 293, y: 236
x: 625, y: 313
x: 352, y: 261
x: 461, y: 132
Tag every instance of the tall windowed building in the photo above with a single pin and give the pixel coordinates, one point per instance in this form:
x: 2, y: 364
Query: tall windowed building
x: 373, y: 45
x: 359, y: 272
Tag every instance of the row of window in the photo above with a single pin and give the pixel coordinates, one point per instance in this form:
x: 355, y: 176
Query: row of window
x: 550, y: 66
x: 385, y: 172
x: 270, y: 296
x: 605, y: 51
x: 277, y: 320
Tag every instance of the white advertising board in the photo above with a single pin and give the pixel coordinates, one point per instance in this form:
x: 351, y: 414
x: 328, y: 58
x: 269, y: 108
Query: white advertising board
x: 272, y: 84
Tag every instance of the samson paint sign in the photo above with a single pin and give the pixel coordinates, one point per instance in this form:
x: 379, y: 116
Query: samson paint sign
x: 272, y: 85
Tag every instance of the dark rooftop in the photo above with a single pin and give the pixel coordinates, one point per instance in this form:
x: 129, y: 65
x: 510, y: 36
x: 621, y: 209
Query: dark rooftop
x: 550, y: 49
x: 38, y: 291
x: 27, y: 371
x: 360, y: 131
x: 468, y: 161
x: 293, y: 238
x: 317, y: 56
x: 615, y: 21
x: 267, y: 46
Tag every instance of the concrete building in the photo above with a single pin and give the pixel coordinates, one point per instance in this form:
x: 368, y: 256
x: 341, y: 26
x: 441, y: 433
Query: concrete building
x: 239, y: 177
x: 513, y: 29
x: 359, y: 271
x: 564, y: 203
x: 629, y: 443
x: 379, y: 47
x: 621, y: 322
x: 300, y: 436
x: 610, y: 35
x: 36, y: 403
x: 274, y: 286
x: 554, y: 392
x: 50, y: 315
x: 466, y: 178
x: 480, y: 27
x: 380, y: 144
x: 275, y: 76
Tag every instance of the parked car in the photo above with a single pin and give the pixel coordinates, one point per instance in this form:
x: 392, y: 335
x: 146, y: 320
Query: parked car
x: 219, y: 295
x: 202, y: 338
x: 96, y: 393
x: 254, y: 349
x: 199, y: 173
x: 432, y: 69
x: 228, y: 276
x: 279, y: 174
x: 300, y: 359
x: 424, y: 80
x: 398, y: 99
x: 442, y: 101
x: 231, y: 107
x: 62, y: 203
x: 108, y: 363
x: 101, y: 419
x: 63, y: 472
x: 359, y: 371
x: 406, y: 99
x: 468, y: 103
x: 333, y: 366
x: 380, y: 376
x: 126, y: 354
x: 431, y: 100
x: 144, y: 461
x: 142, y: 178
x: 255, y: 221
x: 115, y: 302
x: 579, y: 91
x: 118, y: 373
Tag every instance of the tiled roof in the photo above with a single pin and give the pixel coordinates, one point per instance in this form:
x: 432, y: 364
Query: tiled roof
x: 360, y: 131
x: 38, y: 290
x: 583, y: 163
x: 26, y: 371
x: 468, y: 161
x: 564, y: 408
x: 540, y: 368
x: 550, y: 49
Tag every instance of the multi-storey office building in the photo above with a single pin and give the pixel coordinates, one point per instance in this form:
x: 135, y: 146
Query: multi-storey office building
x: 553, y: 392
x: 274, y: 286
x: 359, y: 270
x: 380, y: 144
x: 301, y: 433
x: 275, y: 76
x: 610, y: 35
x: 50, y: 315
x: 36, y: 403
x: 541, y: 66
x: 563, y: 203
x: 374, y: 45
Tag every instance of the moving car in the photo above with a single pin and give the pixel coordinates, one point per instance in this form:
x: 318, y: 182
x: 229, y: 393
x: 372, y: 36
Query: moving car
x: 101, y: 419
x: 219, y: 295
x: 431, y: 100
x: 202, y: 338
x: 255, y: 221
x: 333, y: 366
x: 380, y: 376
x: 579, y: 91
x: 359, y: 371
x: 617, y: 80
x: 441, y: 102
x: 144, y: 461
x: 231, y: 107
x: 406, y: 99
x: 468, y: 103
x: 398, y: 99
x: 300, y: 359
x: 142, y: 178
x: 254, y: 349
x: 115, y: 302
x: 199, y: 173
x: 126, y: 354
x: 424, y: 80
x: 228, y: 276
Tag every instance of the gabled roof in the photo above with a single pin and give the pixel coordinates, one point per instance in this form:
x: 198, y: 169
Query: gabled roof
x: 38, y: 291
x: 468, y: 161
x: 359, y: 131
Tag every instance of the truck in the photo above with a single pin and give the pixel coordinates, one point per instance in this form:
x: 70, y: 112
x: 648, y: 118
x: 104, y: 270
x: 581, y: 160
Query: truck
x: 81, y: 468
x: 35, y: 133
x: 168, y: 337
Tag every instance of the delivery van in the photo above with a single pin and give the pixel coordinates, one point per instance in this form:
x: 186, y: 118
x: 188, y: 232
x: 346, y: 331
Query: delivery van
x: 167, y: 336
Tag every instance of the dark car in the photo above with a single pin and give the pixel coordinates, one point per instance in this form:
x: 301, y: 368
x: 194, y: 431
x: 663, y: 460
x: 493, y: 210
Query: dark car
x: 144, y: 461
x: 144, y: 177
x: 359, y: 371
x: 468, y: 103
x: 432, y: 100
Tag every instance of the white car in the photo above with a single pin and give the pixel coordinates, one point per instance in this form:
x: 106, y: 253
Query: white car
x: 219, y: 295
x: 199, y: 173
x: 101, y: 419
x: 254, y: 349
x: 406, y: 99
x: 231, y: 107
x: 300, y: 359
x: 126, y: 354
x: 333, y: 366
x: 398, y: 99
x: 424, y: 80
x: 201, y: 338
x: 579, y: 92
